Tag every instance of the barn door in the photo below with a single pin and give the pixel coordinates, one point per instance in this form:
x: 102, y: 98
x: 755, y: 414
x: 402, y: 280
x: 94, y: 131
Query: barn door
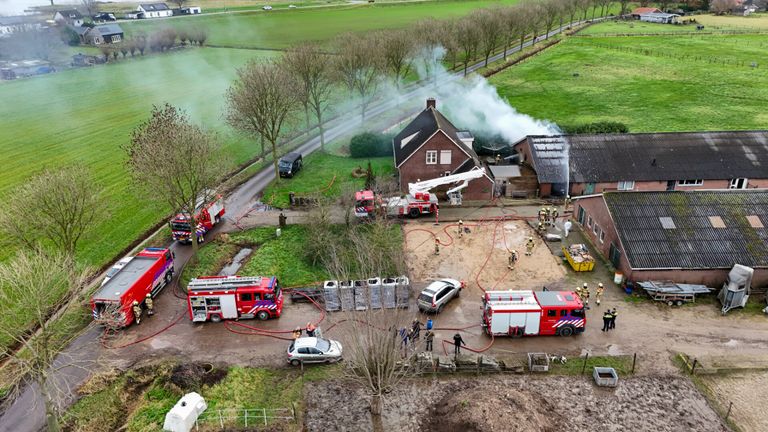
x: 614, y: 254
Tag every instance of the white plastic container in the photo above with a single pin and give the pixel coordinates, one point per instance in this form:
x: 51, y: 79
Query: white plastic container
x: 182, y: 417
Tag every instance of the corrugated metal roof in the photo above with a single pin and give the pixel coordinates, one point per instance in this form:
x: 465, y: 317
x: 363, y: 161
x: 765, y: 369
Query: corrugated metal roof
x: 694, y: 243
x: 651, y: 156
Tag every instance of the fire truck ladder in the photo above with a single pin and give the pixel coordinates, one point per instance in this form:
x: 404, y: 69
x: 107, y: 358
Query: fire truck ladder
x: 223, y: 283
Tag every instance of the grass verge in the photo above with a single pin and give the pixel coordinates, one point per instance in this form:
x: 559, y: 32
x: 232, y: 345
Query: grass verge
x: 574, y: 366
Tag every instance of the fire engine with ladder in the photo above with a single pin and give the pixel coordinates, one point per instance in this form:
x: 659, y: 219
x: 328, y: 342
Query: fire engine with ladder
x: 214, y: 298
x: 531, y: 313
x: 208, y: 214
x: 419, y: 201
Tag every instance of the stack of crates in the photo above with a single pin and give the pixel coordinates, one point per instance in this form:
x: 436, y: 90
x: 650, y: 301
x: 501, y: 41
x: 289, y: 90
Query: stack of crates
x: 374, y: 285
x: 361, y: 294
x: 331, y: 292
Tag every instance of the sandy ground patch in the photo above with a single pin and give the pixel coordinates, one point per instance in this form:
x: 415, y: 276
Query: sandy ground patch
x: 748, y: 391
x: 517, y: 403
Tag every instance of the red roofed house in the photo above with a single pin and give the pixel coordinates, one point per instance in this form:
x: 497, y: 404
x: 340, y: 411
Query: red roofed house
x: 644, y: 10
x: 430, y: 147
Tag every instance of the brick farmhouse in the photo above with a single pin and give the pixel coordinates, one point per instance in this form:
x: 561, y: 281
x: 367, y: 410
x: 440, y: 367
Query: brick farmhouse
x: 431, y: 147
x: 684, y: 236
x: 588, y: 164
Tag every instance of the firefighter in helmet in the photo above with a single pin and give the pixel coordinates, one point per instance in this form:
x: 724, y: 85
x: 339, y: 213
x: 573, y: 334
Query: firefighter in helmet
x: 529, y: 244
x: 585, y: 294
x: 437, y: 246
x: 461, y: 228
x: 542, y: 212
x: 137, y: 312
x: 599, y: 293
x: 513, y: 257
x: 150, y: 305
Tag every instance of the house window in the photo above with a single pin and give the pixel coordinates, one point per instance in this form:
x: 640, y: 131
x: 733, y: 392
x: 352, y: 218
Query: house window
x: 431, y: 157
x: 581, y: 215
x: 445, y: 157
x: 602, y: 236
x: 698, y: 182
x: 246, y: 297
x: 589, y: 221
x: 595, y: 229
x: 717, y: 222
x: 738, y: 183
x: 626, y: 185
x: 667, y: 222
x: 116, y: 38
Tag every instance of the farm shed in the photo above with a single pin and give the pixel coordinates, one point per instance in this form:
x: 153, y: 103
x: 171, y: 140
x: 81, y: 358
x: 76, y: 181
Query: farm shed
x: 690, y: 237
x: 646, y: 162
x: 661, y: 18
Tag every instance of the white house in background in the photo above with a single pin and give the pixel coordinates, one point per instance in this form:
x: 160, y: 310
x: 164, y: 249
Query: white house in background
x: 188, y: 10
x: 660, y: 17
x: 155, y: 10
x: 13, y: 24
x: 68, y: 17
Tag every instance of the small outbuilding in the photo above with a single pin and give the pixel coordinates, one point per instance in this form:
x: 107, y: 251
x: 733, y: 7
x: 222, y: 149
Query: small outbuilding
x: 644, y: 10
x: 660, y: 18
x: 154, y: 10
x: 71, y: 17
x: 104, y: 34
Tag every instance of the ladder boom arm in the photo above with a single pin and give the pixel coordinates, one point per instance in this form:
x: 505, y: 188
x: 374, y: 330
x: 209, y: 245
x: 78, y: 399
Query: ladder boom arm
x: 465, y: 177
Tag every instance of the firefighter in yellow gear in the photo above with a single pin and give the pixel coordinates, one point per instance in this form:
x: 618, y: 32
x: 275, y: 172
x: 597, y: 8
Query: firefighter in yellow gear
x: 579, y: 292
x: 542, y: 212
x: 150, y: 305
x: 137, y: 312
x: 461, y: 228
x: 437, y: 246
x: 513, y: 257
x: 567, y: 202
x: 585, y: 294
x: 599, y: 293
x: 529, y: 244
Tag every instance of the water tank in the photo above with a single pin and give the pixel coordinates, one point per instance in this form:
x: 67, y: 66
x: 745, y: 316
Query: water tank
x: 182, y: 417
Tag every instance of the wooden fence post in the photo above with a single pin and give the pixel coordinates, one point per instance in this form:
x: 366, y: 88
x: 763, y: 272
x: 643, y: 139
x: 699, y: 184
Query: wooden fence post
x: 264, y: 411
x: 693, y: 367
x: 584, y: 367
x: 728, y: 414
x: 245, y: 411
x: 634, y: 360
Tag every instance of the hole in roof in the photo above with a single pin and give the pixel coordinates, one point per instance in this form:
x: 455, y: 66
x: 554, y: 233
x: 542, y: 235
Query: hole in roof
x: 755, y: 222
x: 667, y: 222
x: 717, y: 222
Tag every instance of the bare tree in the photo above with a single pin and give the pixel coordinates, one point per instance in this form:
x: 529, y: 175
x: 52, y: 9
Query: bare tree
x: 359, y: 66
x: 32, y: 284
x: 176, y: 161
x: 56, y: 207
x: 551, y: 10
x: 721, y: 7
x: 623, y: 4
x: 584, y: 6
x: 312, y: 69
x: 398, y: 50
x: 261, y: 100
x: 570, y: 7
x: 180, y: 3
x: 91, y: 7
x: 433, y: 37
x: 491, y: 26
x: 468, y: 39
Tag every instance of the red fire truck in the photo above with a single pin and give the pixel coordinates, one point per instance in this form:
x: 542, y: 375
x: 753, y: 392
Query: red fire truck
x: 529, y: 313
x: 207, y: 216
x: 233, y: 297
x: 147, y: 273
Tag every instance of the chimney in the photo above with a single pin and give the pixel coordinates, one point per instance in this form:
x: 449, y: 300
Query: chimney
x: 431, y: 103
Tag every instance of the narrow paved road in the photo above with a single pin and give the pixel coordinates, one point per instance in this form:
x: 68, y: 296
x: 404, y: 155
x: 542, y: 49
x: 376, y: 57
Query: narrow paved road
x: 27, y: 412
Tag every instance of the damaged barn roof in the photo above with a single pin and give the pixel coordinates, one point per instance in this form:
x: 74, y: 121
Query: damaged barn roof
x: 650, y: 156
x: 691, y: 230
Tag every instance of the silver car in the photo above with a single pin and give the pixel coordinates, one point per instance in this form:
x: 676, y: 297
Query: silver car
x: 313, y: 350
x: 435, y: 296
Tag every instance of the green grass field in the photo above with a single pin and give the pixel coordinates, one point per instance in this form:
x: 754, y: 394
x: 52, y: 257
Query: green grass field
x: 83, y: 116
x: 674, y: 92
x: 711, y: 23
x: 281, y: 29
x: 325, y: 174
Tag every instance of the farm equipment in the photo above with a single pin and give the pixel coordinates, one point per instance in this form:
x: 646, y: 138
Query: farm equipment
x: 673, y: 293
x: 579, y: 258
x: 735, y: 291
x: 214, y: 298
x: 419, y: 201
x: 529, y: 313
x: 146, y: 273
x: 207, y: 215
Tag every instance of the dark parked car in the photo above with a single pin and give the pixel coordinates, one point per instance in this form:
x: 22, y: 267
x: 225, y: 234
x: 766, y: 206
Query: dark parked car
x: 289, y: 164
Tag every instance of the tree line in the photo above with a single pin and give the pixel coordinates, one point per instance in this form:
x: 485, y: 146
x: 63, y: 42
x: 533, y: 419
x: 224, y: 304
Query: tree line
x: 266, y: 95
x: 159, y: 41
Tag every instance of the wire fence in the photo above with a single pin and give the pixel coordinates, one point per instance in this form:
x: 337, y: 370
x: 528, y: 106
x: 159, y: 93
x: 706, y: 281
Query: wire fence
x: 220, y: 419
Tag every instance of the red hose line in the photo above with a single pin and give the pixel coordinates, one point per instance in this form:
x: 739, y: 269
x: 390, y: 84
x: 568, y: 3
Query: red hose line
x: 476, y: 351
x: 173, y: 323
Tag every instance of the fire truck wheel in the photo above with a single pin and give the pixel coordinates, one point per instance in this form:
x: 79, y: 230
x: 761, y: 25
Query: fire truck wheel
x: 566, y: 331
x: 414, y: 213
x: 216, y: 220
x: 295, y: 362
x: 168, y: 277
x: 215, y: 318
x: 670, y: 303
x: 679, y: 303
x: 262, y: 315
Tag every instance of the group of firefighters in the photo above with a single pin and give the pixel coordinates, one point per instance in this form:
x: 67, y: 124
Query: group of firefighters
x: 137, y: 308
x: 547, y: 217
x: 583, y: 293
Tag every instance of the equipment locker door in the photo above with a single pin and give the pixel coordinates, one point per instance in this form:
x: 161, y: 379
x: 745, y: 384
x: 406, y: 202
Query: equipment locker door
x: 228, y: 306
x: 532, y: 323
